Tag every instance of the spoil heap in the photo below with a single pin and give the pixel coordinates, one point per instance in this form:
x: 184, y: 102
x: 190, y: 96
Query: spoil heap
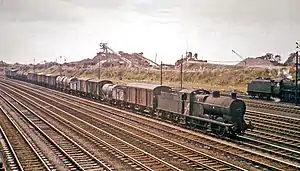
x: 256, y: 62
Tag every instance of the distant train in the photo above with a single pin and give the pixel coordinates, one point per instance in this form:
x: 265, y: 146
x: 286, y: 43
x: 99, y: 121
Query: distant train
x: 265, y: 88
x: 197, y: 109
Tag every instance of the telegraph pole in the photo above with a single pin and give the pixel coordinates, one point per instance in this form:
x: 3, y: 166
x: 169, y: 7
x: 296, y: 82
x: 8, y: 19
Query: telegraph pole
x: 33, y: 65
x: 181, y: 72
x: 161, y: 73
x: 297, y: 67
x: 60, y: 66
x: 181, y: 65
x: 99, y: 66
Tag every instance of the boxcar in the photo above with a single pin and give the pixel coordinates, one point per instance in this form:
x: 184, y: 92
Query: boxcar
x: 40, y: 78
x: 94, y: 88
x: 74, y: 85
x: 82, y: 88
x: 13, y: 73
x: 7, y: 72
x: 47, y: 80
x: 144, y: 96
x: 32, y: 77
x: 51, y: 80
x: 119, y: 94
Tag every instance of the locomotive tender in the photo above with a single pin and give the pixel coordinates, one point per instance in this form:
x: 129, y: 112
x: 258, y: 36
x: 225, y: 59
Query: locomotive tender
x: 197, y: 109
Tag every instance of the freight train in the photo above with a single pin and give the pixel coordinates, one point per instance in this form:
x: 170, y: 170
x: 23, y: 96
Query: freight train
x: 196, y: 109
x: 266, y: 88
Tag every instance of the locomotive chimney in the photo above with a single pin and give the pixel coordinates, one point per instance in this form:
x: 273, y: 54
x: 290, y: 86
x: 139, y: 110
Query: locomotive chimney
x: 216, y: 93
x: 233, y: 95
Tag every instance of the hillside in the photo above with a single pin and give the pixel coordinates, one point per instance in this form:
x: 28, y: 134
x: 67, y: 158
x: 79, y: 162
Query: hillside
x: 209, y: 76
x: 123, y: 68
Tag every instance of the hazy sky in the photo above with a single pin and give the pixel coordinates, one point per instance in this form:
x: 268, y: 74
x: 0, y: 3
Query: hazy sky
x: 46, y: 29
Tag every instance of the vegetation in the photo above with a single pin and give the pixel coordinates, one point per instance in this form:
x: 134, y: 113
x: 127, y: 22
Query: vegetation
x: 222, y: 78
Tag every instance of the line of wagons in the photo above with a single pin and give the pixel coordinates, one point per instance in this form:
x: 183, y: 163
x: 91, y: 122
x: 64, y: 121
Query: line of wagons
x: 198, y: 109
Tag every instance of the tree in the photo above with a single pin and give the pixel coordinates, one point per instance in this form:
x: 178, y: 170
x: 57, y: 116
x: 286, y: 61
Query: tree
x: 290, y: 60
x: 269, y: 56
x: 277, y: 58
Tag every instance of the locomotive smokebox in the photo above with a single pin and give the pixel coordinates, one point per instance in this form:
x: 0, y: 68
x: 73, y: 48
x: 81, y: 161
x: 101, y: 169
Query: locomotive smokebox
x: 233, y: 95
x: 216, y: 93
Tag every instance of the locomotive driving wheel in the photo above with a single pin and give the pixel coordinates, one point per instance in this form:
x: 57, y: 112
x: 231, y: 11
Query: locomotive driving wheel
x: 219, y: 129
x: 205, y: 125
x: 192, y: 124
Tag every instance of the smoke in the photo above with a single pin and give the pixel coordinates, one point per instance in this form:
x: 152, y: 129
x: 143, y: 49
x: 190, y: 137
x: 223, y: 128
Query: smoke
x: 285, y: 73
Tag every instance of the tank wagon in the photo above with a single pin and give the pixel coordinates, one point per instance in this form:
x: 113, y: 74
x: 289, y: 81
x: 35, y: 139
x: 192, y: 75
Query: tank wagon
x: 70, y: 84
x: 196, y: 109
x: 265, y: 88
x: 59, y: 82
x: 115, y: 94
x: 21, y: 75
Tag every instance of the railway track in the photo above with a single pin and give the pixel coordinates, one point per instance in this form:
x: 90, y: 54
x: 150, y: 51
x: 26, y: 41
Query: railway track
x: 261, y: 103
x: 283, y: 131
x: 20, y: 153
x: 276, y: 107
x: 168, y: 150
x: 11, y: 159
x: 246, y: 155
x: 71, y: 155
x: 143, y: 157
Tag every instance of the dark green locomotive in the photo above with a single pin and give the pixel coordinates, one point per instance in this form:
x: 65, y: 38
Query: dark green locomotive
x: 208, y: 112
x: 284, y: 89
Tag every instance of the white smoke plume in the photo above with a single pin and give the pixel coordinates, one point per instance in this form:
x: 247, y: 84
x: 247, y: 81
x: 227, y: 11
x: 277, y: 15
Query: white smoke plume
x: 285, y: 73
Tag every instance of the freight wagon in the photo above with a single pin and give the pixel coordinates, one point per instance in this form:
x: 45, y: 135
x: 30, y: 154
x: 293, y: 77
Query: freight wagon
x: 144, y: 96
x: 115, y: 94
x: 94, y: 88
x: 51, y: 80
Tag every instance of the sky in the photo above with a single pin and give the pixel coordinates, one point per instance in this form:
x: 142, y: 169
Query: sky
x: 73, y: 29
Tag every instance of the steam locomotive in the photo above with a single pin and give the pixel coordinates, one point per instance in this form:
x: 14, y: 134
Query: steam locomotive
x: 266, y: 88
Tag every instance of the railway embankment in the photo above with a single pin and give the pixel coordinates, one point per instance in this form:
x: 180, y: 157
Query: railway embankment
x: 209, y: 76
